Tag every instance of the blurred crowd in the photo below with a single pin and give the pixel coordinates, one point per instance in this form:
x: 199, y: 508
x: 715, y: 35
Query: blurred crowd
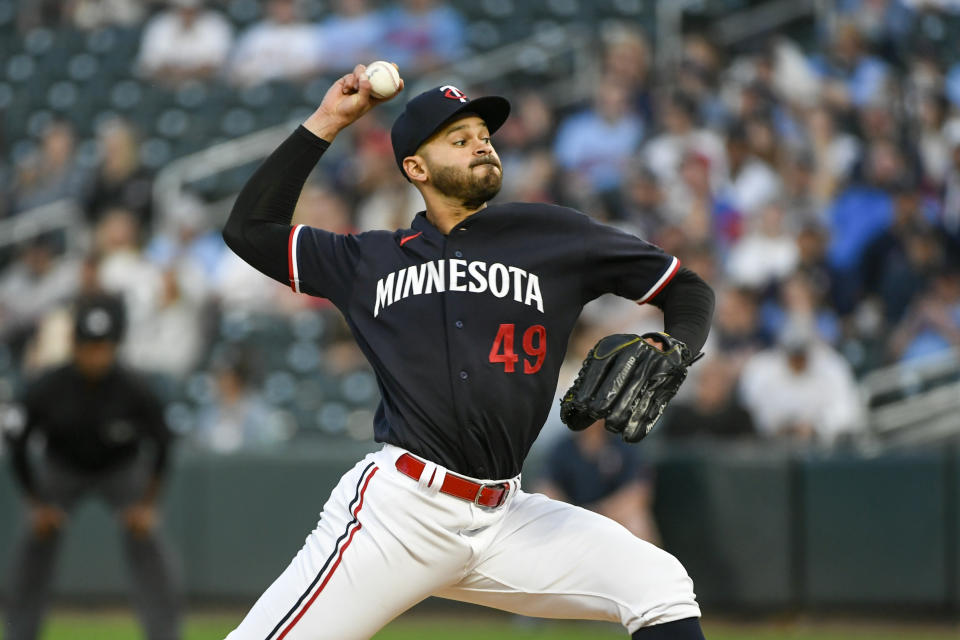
x: 815, y: 185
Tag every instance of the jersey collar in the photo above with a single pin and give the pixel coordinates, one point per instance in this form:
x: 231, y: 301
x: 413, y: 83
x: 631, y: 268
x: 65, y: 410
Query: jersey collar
x: 421, y: 223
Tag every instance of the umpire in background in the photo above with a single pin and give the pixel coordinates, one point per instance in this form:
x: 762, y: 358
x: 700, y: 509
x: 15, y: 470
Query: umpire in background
x: 103, y: 435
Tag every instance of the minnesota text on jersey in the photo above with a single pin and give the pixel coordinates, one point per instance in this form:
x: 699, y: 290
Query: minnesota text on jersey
x: 459, y: 275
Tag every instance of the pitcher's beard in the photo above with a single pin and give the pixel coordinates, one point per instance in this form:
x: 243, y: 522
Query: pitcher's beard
x: 471, y: 189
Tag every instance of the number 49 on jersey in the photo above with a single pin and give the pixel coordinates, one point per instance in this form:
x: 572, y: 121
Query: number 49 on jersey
x: 534, y: 345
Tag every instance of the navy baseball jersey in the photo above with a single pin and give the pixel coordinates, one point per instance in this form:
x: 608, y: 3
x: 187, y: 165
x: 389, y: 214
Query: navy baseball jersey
x: 466, y: 332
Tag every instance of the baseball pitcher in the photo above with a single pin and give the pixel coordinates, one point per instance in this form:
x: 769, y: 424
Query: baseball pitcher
x: 465, y: 318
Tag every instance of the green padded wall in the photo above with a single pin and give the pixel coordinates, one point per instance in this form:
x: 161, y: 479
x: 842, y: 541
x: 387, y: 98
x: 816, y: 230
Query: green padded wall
x: 756, y: 528
x: 234, y: 523
x: 728, y: 519
x: 874, y: 530
x: 256, y: 517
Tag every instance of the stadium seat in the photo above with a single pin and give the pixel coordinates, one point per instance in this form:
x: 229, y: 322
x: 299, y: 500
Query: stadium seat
x: 20, y: 67
x: 279, y: 388
x: 332, y: 418
x: 126, y: 94
x: 62, y: 95
x: 499, y: 9
x: 155, y: 152
x: 101, y: 41
x: 257, y: 96
x: 483, y: 35
x: 303, y: 357
x: 38, y: 42
x: 308, y: 325
x: 359, y: 388
x: 82, y: 67
x: 172, y: 123
x: 237, y: 122
x: 192, y: 95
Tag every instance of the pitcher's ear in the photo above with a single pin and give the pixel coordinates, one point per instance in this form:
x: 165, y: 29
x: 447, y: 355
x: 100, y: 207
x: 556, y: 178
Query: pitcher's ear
x: 416, y: 168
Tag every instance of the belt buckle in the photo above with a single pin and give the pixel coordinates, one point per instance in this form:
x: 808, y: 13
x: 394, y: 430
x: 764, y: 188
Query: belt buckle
x: 503, y: 496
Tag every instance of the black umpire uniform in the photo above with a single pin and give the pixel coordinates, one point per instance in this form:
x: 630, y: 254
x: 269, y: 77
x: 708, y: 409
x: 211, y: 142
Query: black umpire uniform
x: 103, y: 435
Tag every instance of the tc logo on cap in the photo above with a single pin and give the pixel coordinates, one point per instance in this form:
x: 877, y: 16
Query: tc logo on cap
x: 450, y: 91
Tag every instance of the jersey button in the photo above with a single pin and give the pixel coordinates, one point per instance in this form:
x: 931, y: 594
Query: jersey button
x: 459, y: 324
x: 464, y: 375
x: 458, y: 253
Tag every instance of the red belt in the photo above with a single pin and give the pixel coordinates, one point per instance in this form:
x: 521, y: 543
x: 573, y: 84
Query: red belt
x: 484, y: 495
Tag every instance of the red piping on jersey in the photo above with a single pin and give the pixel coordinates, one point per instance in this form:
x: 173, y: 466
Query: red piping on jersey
x: 409, y: 238
x: 290, y: 250
x: 356, y: 513
x: 666, y: 280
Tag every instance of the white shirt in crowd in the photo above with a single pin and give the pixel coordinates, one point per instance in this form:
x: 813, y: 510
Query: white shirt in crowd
x: 269, y: 50
x: 664, y: 154
x: 823, y: 395
x: 759, y: 259
x: 754, y: 186
x: 168, y: 43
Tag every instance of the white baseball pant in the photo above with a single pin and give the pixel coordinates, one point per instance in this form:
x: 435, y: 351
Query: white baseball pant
x: 385, y: 542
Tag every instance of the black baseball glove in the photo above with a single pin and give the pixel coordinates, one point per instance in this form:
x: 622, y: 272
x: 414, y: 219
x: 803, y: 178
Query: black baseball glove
x: 628, y: 382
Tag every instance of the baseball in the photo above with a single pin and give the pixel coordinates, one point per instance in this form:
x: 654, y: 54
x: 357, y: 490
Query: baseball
x: 384, y: 79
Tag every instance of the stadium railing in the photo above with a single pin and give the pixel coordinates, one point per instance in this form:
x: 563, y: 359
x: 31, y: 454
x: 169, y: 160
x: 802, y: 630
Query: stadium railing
x: 913, y: 403
x: 62, y: 215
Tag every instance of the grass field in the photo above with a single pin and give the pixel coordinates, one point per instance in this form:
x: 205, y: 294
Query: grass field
x: 111, y: 626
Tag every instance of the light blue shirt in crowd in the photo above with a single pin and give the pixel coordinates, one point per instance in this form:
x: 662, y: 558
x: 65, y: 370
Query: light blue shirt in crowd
x: 588, y: 144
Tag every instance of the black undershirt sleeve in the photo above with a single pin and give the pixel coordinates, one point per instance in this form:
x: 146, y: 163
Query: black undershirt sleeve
x: 258, y: 228
x: 687, y: 305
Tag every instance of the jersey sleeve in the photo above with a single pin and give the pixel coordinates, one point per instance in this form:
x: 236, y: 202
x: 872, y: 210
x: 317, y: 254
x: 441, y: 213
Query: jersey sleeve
x: 621, y: 263
x: 322, y: 263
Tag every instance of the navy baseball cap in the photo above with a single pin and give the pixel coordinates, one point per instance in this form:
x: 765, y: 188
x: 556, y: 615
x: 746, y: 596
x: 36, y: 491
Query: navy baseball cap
x: 427, y: 112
